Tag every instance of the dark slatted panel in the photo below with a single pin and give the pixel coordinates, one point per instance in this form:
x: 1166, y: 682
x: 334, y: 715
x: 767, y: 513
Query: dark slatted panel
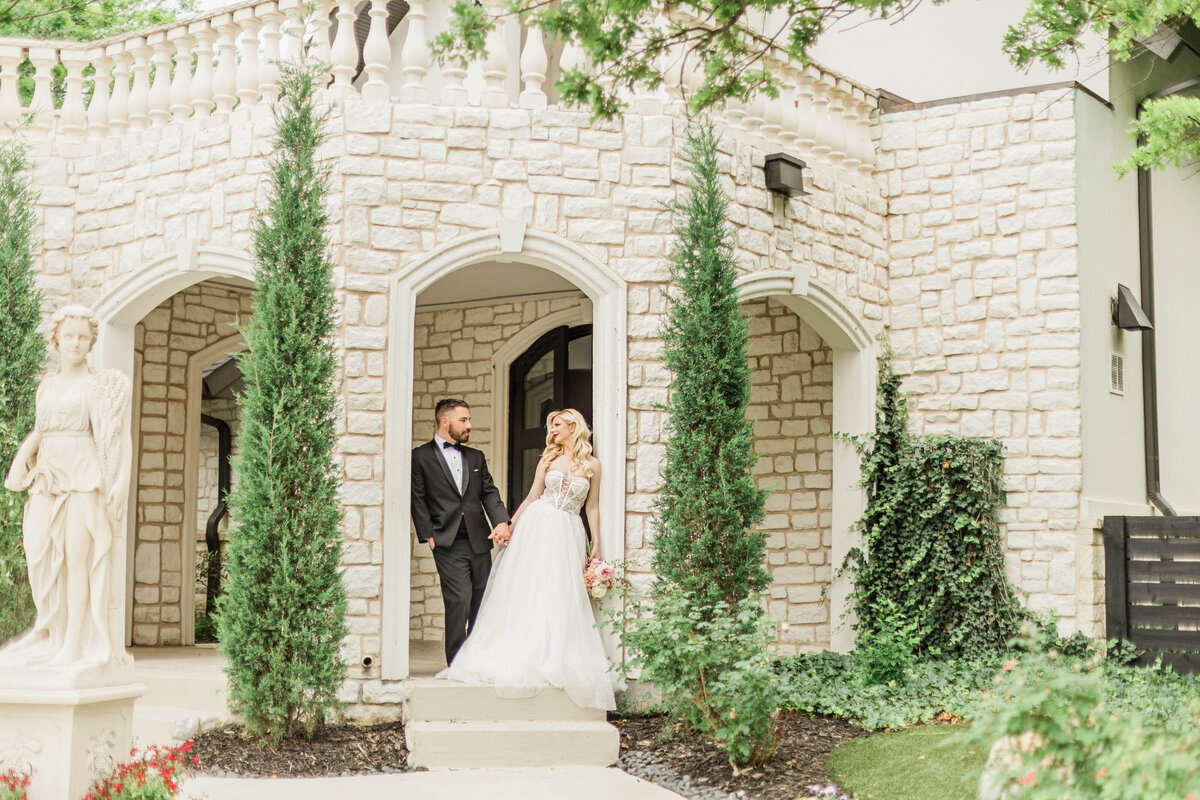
x: 1163, y: 594
x: 1152, y: 587
x: 1164, y: 640
x: 1159, y: 549
x: 1155, y: 571
x: 1171, y: 617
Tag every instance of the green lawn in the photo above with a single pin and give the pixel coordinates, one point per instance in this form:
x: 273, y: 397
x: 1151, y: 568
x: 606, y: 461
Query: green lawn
x: 927, y: 762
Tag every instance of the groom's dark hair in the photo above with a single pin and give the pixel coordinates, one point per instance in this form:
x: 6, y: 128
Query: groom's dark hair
x: 444, y: 407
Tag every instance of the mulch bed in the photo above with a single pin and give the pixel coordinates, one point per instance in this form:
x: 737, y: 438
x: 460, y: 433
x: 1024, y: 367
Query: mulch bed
x: 798, y: 762
x: 334, y: 750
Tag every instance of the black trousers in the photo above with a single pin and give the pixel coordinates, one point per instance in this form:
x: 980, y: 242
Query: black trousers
x: 463, y: 574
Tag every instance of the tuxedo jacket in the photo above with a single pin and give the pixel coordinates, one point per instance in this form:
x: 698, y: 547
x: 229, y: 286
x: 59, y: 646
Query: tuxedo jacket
x: 438, y: 507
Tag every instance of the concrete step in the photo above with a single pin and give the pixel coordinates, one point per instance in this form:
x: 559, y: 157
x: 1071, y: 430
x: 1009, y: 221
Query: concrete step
x: 205, y: 693
x: 170, y: 724
x: 432, y: 700
x: 511, y: 743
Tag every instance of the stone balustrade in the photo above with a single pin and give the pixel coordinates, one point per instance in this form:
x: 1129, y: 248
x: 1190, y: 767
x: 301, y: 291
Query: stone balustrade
x: 133, y: 82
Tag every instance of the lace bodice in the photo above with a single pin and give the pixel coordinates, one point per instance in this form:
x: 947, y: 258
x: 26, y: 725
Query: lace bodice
x: 566, y: 494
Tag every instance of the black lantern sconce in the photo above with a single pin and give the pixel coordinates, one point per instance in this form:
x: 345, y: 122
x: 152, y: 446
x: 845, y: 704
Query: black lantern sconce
x: 785, y: 174
x: 1127, y: 313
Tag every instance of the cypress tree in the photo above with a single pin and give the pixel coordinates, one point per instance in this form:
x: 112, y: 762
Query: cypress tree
x: 282, y: 618
x: 24, y: 351
x: 708, y: 503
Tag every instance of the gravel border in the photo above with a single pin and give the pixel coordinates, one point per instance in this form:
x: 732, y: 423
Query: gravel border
x: 641, y: 764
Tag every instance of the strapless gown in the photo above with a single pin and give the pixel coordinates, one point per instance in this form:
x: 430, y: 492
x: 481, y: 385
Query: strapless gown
x: 536, y: 627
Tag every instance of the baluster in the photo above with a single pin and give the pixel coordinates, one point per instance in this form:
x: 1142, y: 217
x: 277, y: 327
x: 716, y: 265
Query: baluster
x: 495, y: 68
x: 837, y: 124
x: 202, y: 81
x: 755, y: 109
x: 572, y: 58
x: 11, y: 57
x: 160, y: 89
x: 414, y: 63
x: 772, y: 113
x: 41, y: 107
x: 225, y: 79
x: 806, y: 130
x: 269, y: 69
x: 291, y: 38
x: 73, y: 115
x: 139, y: 93
x: 377, y: 54
x: 533, y: 69
x: 454, y: 93
x: 735, y: 112
x: 247, y: 69
x: 179, y: 96
x: 321, y: 48
x: 822, y: 136
x: 850, y: 130
x: 345, y: 49
x: 790, y: 118
x: 118, y: 106
x: 866, y: 150
x: 97, y: 113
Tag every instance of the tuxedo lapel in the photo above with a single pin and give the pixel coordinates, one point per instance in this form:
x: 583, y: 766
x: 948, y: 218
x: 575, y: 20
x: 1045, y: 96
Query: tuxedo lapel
x: 468, y: 468
x: 441, y: 459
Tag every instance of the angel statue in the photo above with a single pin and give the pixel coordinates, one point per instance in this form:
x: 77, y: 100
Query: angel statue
x: 76, y: 464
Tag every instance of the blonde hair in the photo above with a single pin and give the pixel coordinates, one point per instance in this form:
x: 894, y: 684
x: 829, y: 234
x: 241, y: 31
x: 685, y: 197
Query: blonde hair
x: 579, y: 447
x: 74, y: 312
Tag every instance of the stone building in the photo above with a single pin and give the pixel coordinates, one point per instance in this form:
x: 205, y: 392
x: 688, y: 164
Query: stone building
x: 493, y: 245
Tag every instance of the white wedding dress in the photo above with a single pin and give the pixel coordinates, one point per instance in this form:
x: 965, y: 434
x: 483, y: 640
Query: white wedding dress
x: 536, y: 627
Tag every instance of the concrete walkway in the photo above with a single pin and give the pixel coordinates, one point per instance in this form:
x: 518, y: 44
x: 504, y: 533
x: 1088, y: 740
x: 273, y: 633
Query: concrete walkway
x: 510, y: 783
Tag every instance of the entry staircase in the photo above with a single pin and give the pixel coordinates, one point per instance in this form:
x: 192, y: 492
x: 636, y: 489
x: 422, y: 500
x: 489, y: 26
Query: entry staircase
x: 447, y: 725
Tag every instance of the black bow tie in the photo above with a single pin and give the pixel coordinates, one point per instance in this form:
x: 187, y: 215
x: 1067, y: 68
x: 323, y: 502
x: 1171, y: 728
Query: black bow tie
x: 451, y: 446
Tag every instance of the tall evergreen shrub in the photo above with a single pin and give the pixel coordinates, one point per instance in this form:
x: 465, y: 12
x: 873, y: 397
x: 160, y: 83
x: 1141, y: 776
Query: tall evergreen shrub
x: 933, y: 562
x: 282, y: 618
x: 24, y: 351
x: 708, y: 502
x: 707, y: 644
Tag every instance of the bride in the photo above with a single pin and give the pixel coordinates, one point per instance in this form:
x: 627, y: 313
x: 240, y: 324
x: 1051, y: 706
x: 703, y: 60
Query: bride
x: 535, y: 626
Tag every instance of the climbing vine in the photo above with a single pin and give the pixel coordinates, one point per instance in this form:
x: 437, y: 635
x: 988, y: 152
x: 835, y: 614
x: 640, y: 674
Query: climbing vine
x: 932, y: 565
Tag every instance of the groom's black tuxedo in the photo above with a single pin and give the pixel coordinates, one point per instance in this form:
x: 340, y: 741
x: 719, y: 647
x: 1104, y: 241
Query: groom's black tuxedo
x: 439, y: 509
x: 458, y: 522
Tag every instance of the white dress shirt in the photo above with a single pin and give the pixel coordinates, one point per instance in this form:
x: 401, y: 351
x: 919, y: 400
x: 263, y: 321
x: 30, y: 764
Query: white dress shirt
x: 454, y: 459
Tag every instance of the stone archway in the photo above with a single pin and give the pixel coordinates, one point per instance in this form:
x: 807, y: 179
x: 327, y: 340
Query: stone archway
x: 121, y: 307
x: 606, y: 292
x: 854, y: 353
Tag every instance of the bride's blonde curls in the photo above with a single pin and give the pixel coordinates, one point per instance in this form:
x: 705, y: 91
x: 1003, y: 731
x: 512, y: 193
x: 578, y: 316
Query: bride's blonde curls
x: 578, y: 448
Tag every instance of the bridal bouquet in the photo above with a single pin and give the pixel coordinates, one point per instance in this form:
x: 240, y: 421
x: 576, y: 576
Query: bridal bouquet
x: 598, y: 576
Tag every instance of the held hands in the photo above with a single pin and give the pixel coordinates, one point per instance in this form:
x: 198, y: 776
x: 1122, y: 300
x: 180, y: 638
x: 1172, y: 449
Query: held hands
x: 501, y: 533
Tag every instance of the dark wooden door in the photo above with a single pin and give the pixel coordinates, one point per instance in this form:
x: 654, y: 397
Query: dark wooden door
x: 554, y: 373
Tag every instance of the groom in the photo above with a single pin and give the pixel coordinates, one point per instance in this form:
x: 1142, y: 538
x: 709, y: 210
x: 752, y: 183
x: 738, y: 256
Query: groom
x: 452, y: 491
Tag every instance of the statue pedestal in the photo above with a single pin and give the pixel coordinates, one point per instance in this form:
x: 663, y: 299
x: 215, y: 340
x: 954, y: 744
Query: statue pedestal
x: 67, y: 736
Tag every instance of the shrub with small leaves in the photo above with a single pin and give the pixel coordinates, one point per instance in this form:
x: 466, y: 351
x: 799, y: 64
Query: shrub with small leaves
x: 151, y: 774
x: 1083, y: 736
x: 13, y: 784
x: 713, y: 666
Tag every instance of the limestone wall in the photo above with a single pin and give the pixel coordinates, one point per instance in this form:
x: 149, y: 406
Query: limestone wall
x: 182, y: 325
x: 791, y: 403
x: 985, y: 317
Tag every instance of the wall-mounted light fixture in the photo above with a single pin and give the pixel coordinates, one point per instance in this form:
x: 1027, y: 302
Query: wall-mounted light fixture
x: 785, y: 174
x: 1127, y: 313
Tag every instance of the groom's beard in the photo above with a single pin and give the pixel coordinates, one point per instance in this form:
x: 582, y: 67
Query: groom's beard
x: 460, y: 438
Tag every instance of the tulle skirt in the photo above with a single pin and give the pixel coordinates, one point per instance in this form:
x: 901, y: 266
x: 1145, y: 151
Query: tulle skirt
x: 536, y: 627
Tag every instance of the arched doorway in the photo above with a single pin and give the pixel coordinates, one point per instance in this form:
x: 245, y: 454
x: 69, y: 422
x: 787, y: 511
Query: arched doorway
x: 601, y: 297
x: 554, y: 373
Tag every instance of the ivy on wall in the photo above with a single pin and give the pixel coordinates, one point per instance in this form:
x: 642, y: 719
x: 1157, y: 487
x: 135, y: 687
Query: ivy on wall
x: 933, y: 562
